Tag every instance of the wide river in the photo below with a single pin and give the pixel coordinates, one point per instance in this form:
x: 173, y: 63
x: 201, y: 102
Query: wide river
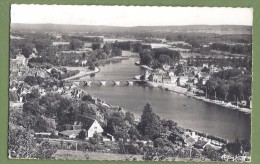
x: 187, y: 111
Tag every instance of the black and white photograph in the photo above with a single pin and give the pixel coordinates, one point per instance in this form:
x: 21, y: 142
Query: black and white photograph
x: 130, y: 83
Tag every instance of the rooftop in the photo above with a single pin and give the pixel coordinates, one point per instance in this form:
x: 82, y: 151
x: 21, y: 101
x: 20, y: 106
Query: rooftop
x: 70, y: 132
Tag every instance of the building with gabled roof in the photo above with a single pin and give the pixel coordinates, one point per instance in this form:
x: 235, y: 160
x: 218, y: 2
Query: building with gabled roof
x: 83, y: 122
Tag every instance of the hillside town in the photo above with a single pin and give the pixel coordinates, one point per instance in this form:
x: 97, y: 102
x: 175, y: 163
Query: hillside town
x: 54, y: 115
x: 34, y: 82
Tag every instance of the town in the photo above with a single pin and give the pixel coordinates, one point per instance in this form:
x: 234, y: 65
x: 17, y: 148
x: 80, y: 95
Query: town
x: 51, y: 116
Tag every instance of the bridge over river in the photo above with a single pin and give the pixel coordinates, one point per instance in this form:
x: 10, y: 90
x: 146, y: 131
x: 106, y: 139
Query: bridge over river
x: 104, y: 82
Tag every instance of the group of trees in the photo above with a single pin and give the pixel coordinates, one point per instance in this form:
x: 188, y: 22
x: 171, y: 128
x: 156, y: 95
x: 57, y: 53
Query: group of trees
x: 68, y: 74
x: 159, y: 56
x: 88, y: 38
x: 122, y: 45
x: 238, y: 147
x: 232, y: 48
x: 75, y: 44
x: 40, y: 42
x: 22, y: 145
x: 33, y: 80
x: 201, y: 38
x: 229, y: 85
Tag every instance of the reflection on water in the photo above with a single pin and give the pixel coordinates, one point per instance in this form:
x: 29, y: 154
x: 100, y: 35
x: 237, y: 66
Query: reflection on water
x: 188, y: 112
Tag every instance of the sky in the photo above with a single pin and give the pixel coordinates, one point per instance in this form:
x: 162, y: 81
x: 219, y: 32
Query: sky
x: 129, y: 16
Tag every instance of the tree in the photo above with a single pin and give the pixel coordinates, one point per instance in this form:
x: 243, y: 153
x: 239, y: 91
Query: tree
x: 212, y: 153
x: 13, y: 96
x: 157, y: 153
x: 134, y: 133
x: 33, y: 95
x: 42, y: 45
x: 222, y: 91
x: 131, y: 149
x: 116, y: 52
x: 87, y: 97
x: 43, y: 124
x: 179, y: 69
x: 150, y: 124
x: 20, y: 143
x: 86, y: 110
x: 107, y: 48
x: 82, y: 134
x: 76, y: 44
x: 116, y: 125
x: 33, y: 108
x: 130, y: 117
x: 27, y: 49
x: 235, y: 147
x: 95, y: 46
x: 83, y: 55
x: 165, y: 59
x: 211, y: 86
x: 146, y: 58
x: 246, y: 145
x: 33, y: 80
x: 45, y: 150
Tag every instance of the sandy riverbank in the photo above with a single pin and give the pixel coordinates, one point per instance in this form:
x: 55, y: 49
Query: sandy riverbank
x: 82, y: 72
x: 181, y: 90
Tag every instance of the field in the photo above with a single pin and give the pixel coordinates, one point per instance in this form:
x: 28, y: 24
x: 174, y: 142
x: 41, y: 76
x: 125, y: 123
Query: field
x: 79, y: 155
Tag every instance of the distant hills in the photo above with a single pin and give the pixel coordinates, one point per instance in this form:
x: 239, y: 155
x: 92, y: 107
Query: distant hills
x: 217, y: 29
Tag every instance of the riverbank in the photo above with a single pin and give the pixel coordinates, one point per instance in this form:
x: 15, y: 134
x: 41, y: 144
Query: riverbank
x: 82, y: 72
x: 181, y: 90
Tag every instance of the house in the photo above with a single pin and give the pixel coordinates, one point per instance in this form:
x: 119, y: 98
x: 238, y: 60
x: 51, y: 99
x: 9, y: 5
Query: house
x: 169, y: 79
x: 88, y: 45
x: 155, y: 77
x: 166, y: 67
x: 146, y: 75
x: 74, y: 85
x: 70, y: 133
x: 203, y: 75
x: 82, y: 122
x: 19, y: 61
x: 205, y: 65
x: 42, y: 91
x: 189, y: 141
x: 195, y: 81
x: 90, y: 125
x: 200, y: 144
x: 182, y: 81
x: 228, y: 67
x: 60, y: 43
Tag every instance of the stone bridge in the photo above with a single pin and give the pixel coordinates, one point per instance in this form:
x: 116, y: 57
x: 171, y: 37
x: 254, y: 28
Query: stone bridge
x: 104, y: 82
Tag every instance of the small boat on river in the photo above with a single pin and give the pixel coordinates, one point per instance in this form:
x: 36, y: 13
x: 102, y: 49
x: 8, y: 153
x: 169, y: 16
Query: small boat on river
x: 137, y: 63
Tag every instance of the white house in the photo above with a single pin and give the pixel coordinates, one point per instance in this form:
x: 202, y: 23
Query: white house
x: 19, y: 61
x: 90, y: 125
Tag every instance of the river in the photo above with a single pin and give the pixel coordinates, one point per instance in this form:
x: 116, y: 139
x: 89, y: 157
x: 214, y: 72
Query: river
x: 187, y: 111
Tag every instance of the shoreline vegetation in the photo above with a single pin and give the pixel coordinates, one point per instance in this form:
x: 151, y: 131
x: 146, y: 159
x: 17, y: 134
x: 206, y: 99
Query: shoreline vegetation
x: 181, y: 90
